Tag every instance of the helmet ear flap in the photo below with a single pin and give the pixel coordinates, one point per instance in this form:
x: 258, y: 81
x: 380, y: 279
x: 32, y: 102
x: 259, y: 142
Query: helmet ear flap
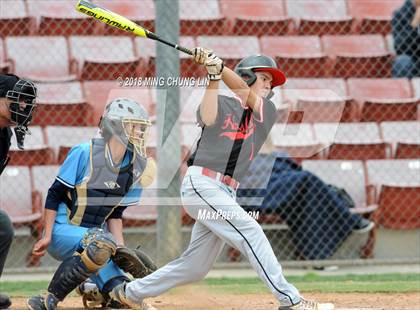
x: 247, y: 75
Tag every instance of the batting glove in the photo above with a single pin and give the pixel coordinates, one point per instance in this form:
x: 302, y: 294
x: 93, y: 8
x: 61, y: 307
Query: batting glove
x: 200, y: 55
x: 214, y: 66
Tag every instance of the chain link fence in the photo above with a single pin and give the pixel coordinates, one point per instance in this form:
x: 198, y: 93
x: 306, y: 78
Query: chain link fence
x: 346, y: 145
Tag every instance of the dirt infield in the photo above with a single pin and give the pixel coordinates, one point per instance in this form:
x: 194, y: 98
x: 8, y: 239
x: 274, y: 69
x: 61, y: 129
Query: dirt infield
x: 207, y: 301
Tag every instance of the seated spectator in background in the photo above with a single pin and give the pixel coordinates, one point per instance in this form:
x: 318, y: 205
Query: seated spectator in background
x: 406, y: 33
x: 318, y: 214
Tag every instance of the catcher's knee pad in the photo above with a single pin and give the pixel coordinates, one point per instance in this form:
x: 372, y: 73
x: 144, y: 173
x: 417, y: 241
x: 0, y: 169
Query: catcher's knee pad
x: 99, y: 246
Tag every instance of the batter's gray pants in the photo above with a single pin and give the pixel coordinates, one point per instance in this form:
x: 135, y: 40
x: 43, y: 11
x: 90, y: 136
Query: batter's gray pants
x: 207, y: 200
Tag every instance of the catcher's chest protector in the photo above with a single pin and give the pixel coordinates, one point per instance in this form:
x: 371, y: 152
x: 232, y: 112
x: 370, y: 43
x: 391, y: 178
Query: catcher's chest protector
x: 103, y: 188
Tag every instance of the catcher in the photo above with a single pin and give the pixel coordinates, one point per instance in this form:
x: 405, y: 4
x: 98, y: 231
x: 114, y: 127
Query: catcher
x: 83, y: 210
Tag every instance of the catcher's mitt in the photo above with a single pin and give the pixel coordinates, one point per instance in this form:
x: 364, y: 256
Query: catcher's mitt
x: 134, y: 261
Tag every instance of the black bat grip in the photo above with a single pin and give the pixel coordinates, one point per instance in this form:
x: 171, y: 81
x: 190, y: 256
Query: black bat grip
x: 184, y: 49
x: 153, y: 36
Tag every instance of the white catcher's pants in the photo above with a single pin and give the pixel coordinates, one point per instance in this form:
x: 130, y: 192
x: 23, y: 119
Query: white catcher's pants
x: 207, y: 200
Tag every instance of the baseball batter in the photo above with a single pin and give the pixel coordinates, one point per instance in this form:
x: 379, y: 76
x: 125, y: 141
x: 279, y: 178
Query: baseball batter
x: 233, y: 131
x: 17, y: 103
x: 83, y: 210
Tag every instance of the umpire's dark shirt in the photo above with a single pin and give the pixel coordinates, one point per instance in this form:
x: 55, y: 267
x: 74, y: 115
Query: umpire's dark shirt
x: 5, y: 137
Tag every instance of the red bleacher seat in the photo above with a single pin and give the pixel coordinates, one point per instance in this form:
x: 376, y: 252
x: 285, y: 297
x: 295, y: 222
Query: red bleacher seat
x: 99, y: 93
x: 146, y: 48
x: 320, y: 17
x: 43, y: 177
x: 17, y: 198
x: 63, y: 138
x: 60, y: 18
x: 366, y: 89
x: 202, y: 19
x: 358, y: 55
x: 318, y: 100
x: 390, y: 110
x: 36, y: 150
x: 352, y: 141
x: 407, y: 150
x: 14, y: 19
x: 296, y: 56
x: 40, y: 57
x: 62, y: 103
x: 231, y: 48
x: 398, y: 183
x: 404, y: 137
x: 5, y: 65
x: 345, y: 174
x: 298, y: 140
x: 373, y: 16
x: 141, y: 13
x: 104, y: 58
x: 256, y: 17
x: 384, y: 99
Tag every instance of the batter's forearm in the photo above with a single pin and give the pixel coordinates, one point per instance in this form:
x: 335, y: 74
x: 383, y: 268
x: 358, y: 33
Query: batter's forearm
x: 209, y: 106
x: 240, y: 88
x: 115, y: 227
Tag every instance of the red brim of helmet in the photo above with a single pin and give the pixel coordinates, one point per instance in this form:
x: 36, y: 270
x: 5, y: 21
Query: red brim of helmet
x: 279, y: 78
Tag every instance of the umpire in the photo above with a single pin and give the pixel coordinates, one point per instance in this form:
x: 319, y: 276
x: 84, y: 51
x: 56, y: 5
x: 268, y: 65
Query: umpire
x: 17, y: 103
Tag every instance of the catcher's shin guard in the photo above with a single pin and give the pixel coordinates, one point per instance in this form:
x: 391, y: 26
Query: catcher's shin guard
x: 68, y: 276
x: 76, y: 269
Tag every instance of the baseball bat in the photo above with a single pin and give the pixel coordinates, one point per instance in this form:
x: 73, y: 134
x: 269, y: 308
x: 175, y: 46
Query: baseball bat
x: 115, y: 20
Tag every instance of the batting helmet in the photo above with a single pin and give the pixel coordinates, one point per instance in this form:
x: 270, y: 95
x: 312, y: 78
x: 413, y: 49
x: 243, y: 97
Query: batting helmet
x: 128, y: 121
x: 247, y: 66
x: 22, y: 94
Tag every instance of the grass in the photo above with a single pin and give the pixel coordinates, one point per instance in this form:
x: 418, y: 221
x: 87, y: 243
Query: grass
x: 326, y: 284
x: 388, y: 283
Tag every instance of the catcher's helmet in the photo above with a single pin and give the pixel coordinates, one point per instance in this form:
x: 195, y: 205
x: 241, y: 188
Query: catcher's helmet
x: 21, y: 94
x: 128, y: 121
x: 247, y: 66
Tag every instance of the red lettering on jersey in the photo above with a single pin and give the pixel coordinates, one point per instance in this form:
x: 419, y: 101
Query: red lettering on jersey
x: 234, y: 131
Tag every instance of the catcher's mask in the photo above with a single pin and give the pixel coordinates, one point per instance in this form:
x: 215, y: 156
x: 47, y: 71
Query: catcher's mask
x: 21, y: 94
x: 247, y: 67
x: 128, y: 121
